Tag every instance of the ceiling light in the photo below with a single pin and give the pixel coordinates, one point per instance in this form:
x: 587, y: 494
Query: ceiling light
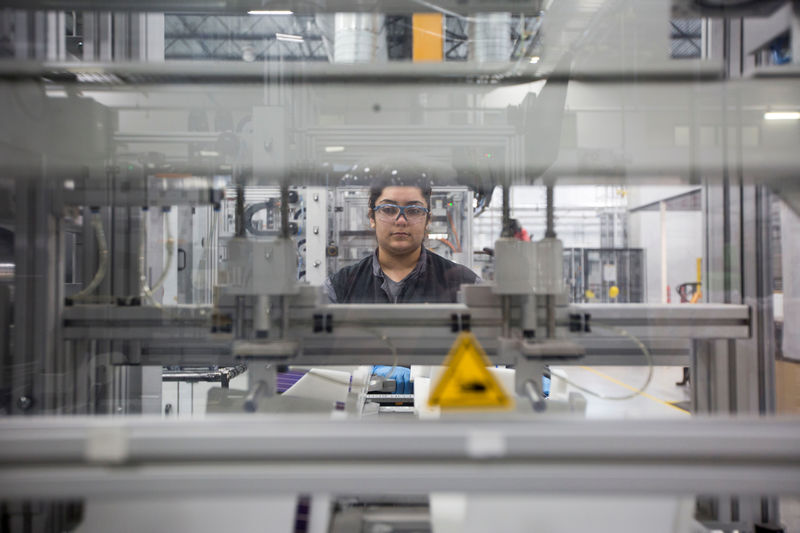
x: 263, y: 12
x: 437, y: 236
x: 289, y: 38
x: 782, y: 115
x: 535, y: 59
x: 334, y: 149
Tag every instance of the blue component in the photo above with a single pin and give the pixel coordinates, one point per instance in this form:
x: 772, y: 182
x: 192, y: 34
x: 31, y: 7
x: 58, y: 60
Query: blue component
x: 546, y: 385
x: 401, y: 376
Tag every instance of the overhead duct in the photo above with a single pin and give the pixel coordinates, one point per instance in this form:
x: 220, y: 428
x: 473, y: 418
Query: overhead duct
x: 491, y: 37
x: 359, y: 38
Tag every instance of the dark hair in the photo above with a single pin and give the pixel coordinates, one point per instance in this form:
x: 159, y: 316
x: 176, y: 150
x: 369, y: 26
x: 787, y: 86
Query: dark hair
x: 393, y: 173
x: 377, y: 187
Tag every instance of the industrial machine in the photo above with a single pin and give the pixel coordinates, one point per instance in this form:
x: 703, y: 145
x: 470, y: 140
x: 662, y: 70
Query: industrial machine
x: 176, y: 221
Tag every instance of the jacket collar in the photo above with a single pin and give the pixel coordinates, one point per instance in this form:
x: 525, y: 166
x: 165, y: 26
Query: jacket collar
x: 419, y: 269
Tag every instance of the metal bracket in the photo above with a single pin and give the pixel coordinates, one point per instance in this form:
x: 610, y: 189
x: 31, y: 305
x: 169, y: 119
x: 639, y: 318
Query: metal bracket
x: 460, y: 322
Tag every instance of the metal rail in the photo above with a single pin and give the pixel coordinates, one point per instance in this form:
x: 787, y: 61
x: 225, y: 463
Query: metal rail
x: 91, y: 457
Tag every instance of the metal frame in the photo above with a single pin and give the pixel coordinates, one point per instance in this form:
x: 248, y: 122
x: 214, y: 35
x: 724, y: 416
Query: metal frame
x: 87, y: 457
x: 420, y: 333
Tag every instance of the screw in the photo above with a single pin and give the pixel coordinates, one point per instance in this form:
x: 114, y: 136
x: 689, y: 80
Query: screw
x: 317, y: 264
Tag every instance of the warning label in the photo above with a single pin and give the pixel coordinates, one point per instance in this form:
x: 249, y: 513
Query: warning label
x: 466, y: 382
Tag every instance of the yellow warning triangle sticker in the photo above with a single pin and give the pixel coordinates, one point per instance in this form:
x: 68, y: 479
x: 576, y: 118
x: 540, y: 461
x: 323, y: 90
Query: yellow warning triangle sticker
x: 466, y: 382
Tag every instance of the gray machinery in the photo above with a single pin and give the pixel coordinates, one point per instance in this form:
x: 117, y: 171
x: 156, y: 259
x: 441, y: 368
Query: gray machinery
x: 100, y: 218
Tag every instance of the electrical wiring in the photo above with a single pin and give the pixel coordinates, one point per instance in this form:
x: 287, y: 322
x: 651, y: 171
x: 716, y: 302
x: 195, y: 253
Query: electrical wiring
x: 481, y: 207
x: 170, y: 247
x: 248, y: 218
x: 455, y: 233
x: 391, y: 346
x: 102, y: 268
x: 648, y: 356
x: 381, y: 337
x: 448, y: 244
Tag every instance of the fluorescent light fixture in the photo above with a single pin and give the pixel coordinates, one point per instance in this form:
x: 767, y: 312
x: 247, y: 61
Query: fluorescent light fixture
x: 535, y: 59
x: 334, y: 149
x: 437, y: 236
x: 782, y: 115
x: 266, y: 12
x: 289, y: 38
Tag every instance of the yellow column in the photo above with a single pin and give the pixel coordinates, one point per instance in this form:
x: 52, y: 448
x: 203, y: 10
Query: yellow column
x: 428, y: 37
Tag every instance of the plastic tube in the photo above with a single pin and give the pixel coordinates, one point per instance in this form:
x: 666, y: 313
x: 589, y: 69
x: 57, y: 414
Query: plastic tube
x: 637, y: 392
x: 102, y: 268
x: 170, y: 247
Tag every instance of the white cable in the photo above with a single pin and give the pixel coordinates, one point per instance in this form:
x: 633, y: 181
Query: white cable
x: 102, y: 268
x: 170, y: 247
x: 205, y: 260
x: 637, y: 392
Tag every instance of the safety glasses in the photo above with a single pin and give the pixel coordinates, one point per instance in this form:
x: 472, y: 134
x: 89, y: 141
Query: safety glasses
x: 392, y: 212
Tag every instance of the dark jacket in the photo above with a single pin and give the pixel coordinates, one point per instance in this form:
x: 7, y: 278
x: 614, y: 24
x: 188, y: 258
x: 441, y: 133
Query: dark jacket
x: 434, y: 280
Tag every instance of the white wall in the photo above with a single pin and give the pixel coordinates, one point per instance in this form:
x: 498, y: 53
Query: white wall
x: 684, y: 237
x: 577, y: 222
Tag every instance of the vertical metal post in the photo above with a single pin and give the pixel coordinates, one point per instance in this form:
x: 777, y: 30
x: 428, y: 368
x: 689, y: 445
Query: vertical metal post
x: 38, y: 297
x: 506, y: 234
x: 316, y: 203
x: 239, y: 212
x: 284, y: 210
x: 550, y: 233
x: 506, y: 231
x: 238, y: 324
x: 284, y: 300
x: 5, y: 344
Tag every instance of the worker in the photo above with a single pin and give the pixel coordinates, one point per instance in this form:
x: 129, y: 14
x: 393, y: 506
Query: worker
x: 401, y: 270
x: 520, y: 233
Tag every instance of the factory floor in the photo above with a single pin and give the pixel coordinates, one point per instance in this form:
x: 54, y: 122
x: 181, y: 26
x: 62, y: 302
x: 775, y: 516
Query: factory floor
x: 662, y: 398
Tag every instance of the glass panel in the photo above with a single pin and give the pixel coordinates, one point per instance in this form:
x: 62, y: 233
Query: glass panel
x: 594, y: 299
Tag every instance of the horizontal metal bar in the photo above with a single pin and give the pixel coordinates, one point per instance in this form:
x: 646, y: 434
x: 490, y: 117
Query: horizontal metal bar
x: 55, y: 457
x: 223, y: 375
x: 115, y: 74
x: 135, y: 333
x: 665, y: 352
x: 662, y: 312
x: 165, y: 136
x: 233, y: 36
x: 241, y: 7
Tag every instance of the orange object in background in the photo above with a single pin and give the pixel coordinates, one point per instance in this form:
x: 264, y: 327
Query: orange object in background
x: 696, y: 296
x: 428, y: 37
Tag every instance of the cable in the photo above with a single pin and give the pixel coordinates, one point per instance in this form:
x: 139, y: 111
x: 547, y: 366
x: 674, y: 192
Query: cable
x: 641, y: 389
x: 448, y: 244
x: 102, y: 268
x: 391, y: 346
x: 381, y: 337
x: 170, y: 247
x: 455, y: 233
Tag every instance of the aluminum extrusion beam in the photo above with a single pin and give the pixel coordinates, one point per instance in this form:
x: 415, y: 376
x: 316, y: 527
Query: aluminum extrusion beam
x: 241, y: 7
x: 421, y: 334
x: 90, y: 457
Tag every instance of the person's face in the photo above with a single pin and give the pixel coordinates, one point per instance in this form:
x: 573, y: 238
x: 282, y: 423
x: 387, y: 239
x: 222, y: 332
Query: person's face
x: 399, y: 235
